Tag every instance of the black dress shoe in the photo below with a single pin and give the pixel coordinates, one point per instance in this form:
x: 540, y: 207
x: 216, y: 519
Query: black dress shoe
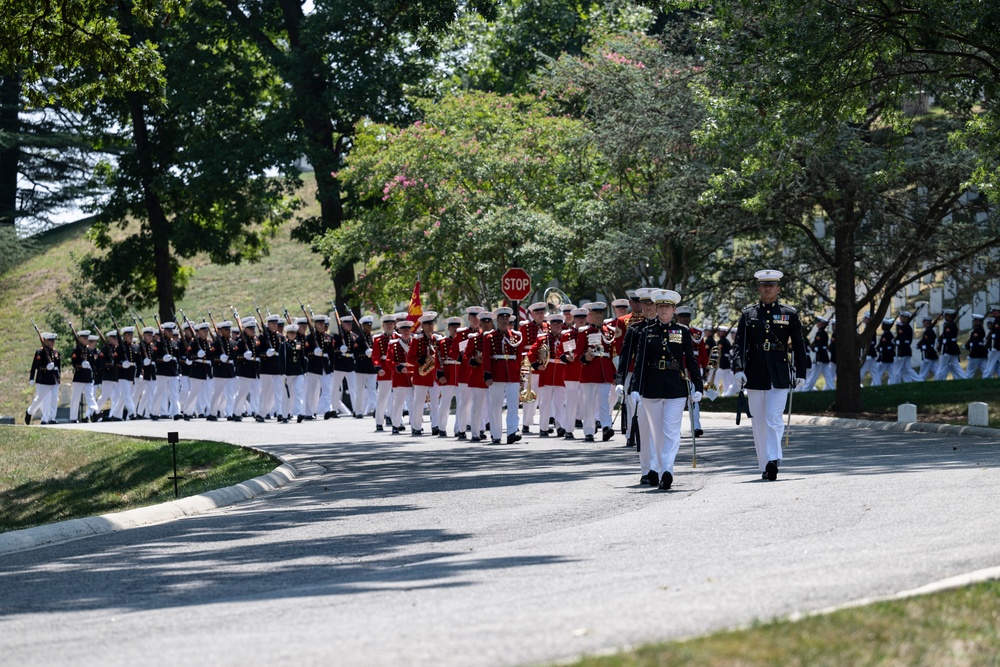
x: 237, y: 419
x: 155, y: 418
x: 644, y: 479
x: 178, y: 417
x: 187, y: 418
x: 299, y: 419
x: 654, y: 478
x: 588, y: 438
x: 474, y: 438
x: 460, y: 435
x: 698, y: 433
x: 543, y: 434
x: 388, y: 422
x: 525, y: 429
x: 666, y: 479
x: 560, y: 431
x: 331, y: 414
x: 359, y: 416
x: 569, y: 436
x: 513, y: 437
x: 578, y: 424
x: 395, y: 431
x: 771, y: 471
x: 435, y: 430
x: 607, y: 433
x: 496, y: 441
x: 259, y: 419
x: 212, y: 418
x: 442, y: 434
x: 379, y: 427
x: 482, y: 435
x: 27, y: 417
x: 416, y: 431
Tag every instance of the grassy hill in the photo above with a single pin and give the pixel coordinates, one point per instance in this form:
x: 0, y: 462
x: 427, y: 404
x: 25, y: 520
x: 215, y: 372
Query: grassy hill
x: 291, y: 271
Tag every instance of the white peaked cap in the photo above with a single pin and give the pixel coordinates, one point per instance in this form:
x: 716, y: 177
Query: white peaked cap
x: 367, y: 319
x: 83, y: 332
x: 620, y: 303
x: 667, y: 296
x: 474, y: 310
x: 148, y: 330
x: 503, y: 310
x: 291, y: 327
x: 427, y: 317
x: 768, y: 275
x: 387, y: 318
x: 538, y: 305
x: 404, y: 324
x: 453, y: 320
x: 566, y: 307
x: 554, y: 317
x: 48, y: 335
x: 577, y: 312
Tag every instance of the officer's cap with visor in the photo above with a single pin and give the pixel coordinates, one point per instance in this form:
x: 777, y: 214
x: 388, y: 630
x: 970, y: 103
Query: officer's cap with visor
x: 404, y: 324
x: 768, y: 277
x: 644, y: 294
x: 666, y: 296
x: 683, y: 311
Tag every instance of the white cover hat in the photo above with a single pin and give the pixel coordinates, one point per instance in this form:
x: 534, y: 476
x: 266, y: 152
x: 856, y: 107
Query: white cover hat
x: 580, y: 312
x: 644, y: 294
x: 554, y: 317
x: 291, y: 327
x: 83, y: 332
x: 367, y: 319
x: 200, y: 326
x: 148, y: 330
x: 566, y: 307
x: 474, y: 310
x: 768, y: 275
x: 322, y: 318
x: 620, y: 303
x: 453, y: 321
x: 685, y: 310
x: 538, y: 305
x: 427, y: 317
x: 347, y: 318
x: 503, y: 310
x: 387, y: 318
x: 404, y: 324
x: 110, y: 334
x: 225, y: 324
x: 667, y: 296
x: 977, y: 316
x: 48, y: 335
x: 270, y: 318
x: 169, y: 326
x: 486, y: 315
x: 126, y: 330
x: 596, y: 305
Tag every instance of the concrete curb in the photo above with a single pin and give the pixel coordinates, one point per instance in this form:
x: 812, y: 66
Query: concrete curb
x: 65, y: 531
x: 911, y: 427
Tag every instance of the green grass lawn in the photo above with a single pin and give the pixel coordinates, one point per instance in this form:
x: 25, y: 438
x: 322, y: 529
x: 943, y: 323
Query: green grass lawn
x: 51, y: 475
x: 952, y: 628
x: 945, y: 402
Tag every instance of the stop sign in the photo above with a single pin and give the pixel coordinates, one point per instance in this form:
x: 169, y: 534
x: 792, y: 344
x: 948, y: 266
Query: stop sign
x: 515, y: 284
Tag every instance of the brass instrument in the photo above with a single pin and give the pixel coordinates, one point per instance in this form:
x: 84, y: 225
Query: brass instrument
x: 544, y: 354
x: 429, y: 364
x: 711, y: 391
x: 526, y: 393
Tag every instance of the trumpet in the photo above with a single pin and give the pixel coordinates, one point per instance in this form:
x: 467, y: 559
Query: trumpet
x: 711, y: 391
x: 544, y: 354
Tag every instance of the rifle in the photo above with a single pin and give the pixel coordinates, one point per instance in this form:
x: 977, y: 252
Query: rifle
x: 41, y: 340
x: 263, y: 324
x: 99, y: 332
x: 215, y: 329
x: 72, y: 329
x: 336, y: 314
x: 243, y: 334
x: 288, y: 318
x: 309, y: 321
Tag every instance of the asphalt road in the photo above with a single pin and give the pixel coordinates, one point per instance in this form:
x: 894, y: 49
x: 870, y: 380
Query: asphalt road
x: 425, y: 551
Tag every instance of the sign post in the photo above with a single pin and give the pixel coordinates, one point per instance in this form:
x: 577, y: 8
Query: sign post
x: 516, y: 285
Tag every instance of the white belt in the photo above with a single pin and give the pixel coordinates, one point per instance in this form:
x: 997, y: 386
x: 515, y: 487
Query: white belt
x: 506, y: 357
x: 451, y: 361
x: 601, y: 354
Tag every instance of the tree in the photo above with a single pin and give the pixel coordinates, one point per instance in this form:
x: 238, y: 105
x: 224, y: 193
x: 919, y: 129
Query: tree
x: 503, y: 55
x: 483, y: 182
x: 191, y: 164
x: 341, y: 62
x: 639, y: 97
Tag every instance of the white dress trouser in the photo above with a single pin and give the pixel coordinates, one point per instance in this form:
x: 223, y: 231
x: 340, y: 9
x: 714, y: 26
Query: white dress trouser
x: 420, y: 394
x: 573, y: 403
x: 384, y: 390
x: 726, y: 382
x: 194, y: 396
x: 314, y: 390
x: 166, y: 398
x: 871, y: 366
x: 950, y: 363
x: 768, y: 409
x: 546, y: 406
x: 272, y: 395
x: 445, y: 394
x: 663, y: 421
x: 83, y: 390
x: 400, y: 396
x: 144, y: 406
x: 529, y: 409
x: 296, y: 388
x: 992, y: 366
x: 46, y: 401
x: 595, y: 405
x: 928, y: 369
x: 477, y: 410
x: 365, y: 383
x: 463, y: 410
x: 224, y: 397
x: 884, y: 370
x: 974, y: 365
x: 245, y: 388
x: 495, y: 396
x: 336, y: 398
x: 123, y: 399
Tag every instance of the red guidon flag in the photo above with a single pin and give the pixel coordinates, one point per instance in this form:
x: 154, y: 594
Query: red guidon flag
x: 415, y: 309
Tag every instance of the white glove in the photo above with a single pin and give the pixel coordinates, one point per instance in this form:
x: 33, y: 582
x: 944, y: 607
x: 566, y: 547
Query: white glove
x: 188, y: 362
x: 223, y: 358
x: 614, y: 362
x: 248, y: 355
x: 201, y: 354
x: 620, y: 390
x: 636, y: 398
x: 318, y: 352
x: 368, y: 353
x: 31, y: 383
x: 740, y: 379
x: 146, y: 361
x: 86, y: 365
x: 800, y: 382
x: 50, y: 366
x: 167, y: 357
x: 343, y: 349
x: 271, y: 352
x: 696, y: 397
x: 126, y: 364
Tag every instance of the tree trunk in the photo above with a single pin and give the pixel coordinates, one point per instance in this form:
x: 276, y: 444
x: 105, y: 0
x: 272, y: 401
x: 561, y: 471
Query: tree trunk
x: 158, y: 224
x: 10, y: 154
x: 848, y: 394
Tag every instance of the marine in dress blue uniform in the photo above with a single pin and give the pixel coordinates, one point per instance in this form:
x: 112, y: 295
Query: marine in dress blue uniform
x: 766, y: 333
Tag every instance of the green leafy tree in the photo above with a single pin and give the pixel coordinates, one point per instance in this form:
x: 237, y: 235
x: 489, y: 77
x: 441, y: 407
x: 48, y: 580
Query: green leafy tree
x: 190, y: 171
x: 483, y: 182
x: 341, y: 62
